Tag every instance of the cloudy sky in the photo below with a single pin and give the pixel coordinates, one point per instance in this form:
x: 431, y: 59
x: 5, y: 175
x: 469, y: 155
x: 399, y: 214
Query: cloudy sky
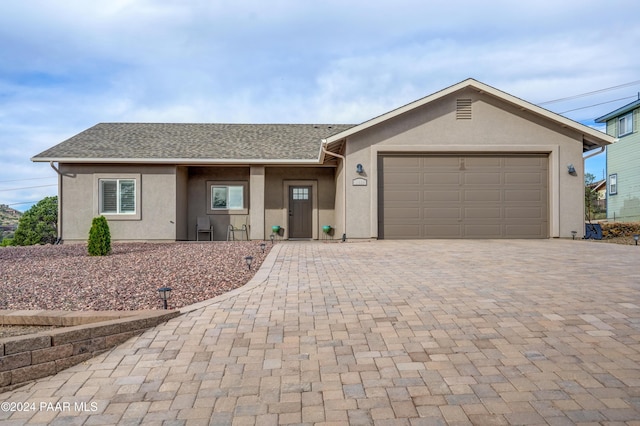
x: 66, y: 65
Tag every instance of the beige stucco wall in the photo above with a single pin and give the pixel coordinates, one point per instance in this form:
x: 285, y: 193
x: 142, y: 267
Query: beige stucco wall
x: 495, y: 127
x: 79, y: 205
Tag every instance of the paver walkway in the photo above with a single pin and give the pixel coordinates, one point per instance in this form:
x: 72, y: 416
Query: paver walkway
x: 386, y: 333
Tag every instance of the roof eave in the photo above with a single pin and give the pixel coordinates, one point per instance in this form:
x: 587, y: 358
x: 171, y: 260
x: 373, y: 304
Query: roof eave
x: 179, y: 161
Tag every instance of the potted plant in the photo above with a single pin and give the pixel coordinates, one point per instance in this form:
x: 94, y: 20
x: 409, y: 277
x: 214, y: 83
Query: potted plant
x: 326, y: 229
x: 275, y: 229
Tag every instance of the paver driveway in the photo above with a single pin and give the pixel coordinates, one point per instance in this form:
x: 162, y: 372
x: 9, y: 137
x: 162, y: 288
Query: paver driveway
x: 428, y: 332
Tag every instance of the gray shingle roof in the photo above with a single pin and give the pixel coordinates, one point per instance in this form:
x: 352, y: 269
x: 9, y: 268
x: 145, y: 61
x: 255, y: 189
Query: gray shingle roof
x: 181, y: 141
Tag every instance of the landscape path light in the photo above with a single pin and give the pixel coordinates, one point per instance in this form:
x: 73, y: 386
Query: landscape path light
x: 165, y: 294
x: 263, y: 245
x: 573, y: 233
x: 636, y: 237
x: 272, y: 236
x: 249, y: 260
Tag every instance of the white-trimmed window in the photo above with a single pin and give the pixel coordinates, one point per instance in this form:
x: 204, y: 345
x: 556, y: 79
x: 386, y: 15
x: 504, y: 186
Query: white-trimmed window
x: 613, y: 184
x: 625, y: 124
x: 227, y: 197
x: 117, y: 196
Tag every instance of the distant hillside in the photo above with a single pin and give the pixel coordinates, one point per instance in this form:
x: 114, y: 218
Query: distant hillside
x: 9, y: 219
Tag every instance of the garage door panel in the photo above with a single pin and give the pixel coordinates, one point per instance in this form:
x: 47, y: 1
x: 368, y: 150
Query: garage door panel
x: 473, y: 178
x: 538, y: 162
x: 464, y: 196
x: 483, y: 231
x: 438, y: 162
x: 532, y: 212
x: 402, y: 196
x: 390, y: 162
x: 523, y: 231
x: 403, y: 231
x: 519, y: 178
x: 403, y: 213
x: 442, y: 178
x: 404, y: 178
x: 523, y: 195
x: 482, y: 195
x: 440, y: 195
x: 442, y: 213
x: 480, y: 162
x: 483, y: 213
x: 442, y: 231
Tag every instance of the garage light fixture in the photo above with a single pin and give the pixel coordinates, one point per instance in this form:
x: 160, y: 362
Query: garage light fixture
x: 359, y: 169
x: 571, y: 169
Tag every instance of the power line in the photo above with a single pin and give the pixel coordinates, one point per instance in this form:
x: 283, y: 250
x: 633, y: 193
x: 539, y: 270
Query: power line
x: 23, y: 202
x: 601, y: 103
x: 27, y: 187
x: 568, y: 98
x: 20, y: 180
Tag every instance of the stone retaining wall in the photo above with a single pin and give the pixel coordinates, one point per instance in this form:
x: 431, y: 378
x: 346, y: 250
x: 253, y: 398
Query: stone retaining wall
x: 82, y: 335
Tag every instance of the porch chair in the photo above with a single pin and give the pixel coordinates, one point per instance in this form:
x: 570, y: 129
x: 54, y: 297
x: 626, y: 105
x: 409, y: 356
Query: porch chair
x: 238, y: 224
x: 203, y: 224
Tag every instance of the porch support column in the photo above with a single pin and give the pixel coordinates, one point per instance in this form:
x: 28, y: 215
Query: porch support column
x: 256, y: 203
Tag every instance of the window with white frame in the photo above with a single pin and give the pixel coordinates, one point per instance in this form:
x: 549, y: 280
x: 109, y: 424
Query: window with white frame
x: 613, y: 184
x: 117, y: 196
x: 625, y: 124
x: 227, y: 197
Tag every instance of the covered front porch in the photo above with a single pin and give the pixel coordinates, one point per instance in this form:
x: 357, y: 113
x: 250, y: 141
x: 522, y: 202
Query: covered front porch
x: 298, y: 200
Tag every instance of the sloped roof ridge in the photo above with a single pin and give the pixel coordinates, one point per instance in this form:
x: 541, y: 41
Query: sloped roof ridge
x: 622, y: 110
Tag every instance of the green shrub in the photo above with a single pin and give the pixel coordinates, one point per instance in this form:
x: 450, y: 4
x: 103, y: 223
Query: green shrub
x: 38, y: 225
x: 99, y: 237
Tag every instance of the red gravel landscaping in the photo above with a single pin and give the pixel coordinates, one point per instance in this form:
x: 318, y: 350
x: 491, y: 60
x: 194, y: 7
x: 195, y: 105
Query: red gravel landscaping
x: 65, y: 277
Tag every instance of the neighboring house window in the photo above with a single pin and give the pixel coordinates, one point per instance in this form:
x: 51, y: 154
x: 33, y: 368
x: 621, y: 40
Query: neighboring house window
x: 613, y: 184
x: 117, y: 196
x: 625, y: 124
x: 227, y: 197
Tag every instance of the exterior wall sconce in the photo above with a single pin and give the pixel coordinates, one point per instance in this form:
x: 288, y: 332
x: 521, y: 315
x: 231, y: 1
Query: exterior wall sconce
x: 571, y: 169
x: 249, y: 260
x: 165, y: 294
x: 263, y: 246
x: 359, y: 169
x: 636, y: 237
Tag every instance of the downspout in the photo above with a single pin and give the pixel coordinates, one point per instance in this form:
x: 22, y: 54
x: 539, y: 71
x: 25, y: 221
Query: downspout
x: 602, y: 148
x: 59, y: 226
x: 344, y: 192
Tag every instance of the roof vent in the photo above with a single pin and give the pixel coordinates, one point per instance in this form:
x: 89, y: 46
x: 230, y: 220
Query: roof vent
x: 463, y: 109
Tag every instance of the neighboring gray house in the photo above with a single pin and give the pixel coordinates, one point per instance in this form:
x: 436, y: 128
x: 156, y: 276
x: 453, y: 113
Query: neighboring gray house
x: 623, y: 163
x: 469, y: 161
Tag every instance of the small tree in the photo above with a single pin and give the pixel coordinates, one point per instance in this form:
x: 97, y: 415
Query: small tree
x: 99, y: 237
x: 591, y: 207
x: 39, y: 224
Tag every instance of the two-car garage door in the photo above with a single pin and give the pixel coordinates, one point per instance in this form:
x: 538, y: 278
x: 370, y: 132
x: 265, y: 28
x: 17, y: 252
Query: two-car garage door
x: 463, y: 196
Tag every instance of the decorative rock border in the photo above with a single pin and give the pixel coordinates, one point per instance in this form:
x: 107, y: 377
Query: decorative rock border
x: 82, y: 335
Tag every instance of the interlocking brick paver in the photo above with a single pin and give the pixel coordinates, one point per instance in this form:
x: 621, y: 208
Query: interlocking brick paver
x: 411, y: 333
